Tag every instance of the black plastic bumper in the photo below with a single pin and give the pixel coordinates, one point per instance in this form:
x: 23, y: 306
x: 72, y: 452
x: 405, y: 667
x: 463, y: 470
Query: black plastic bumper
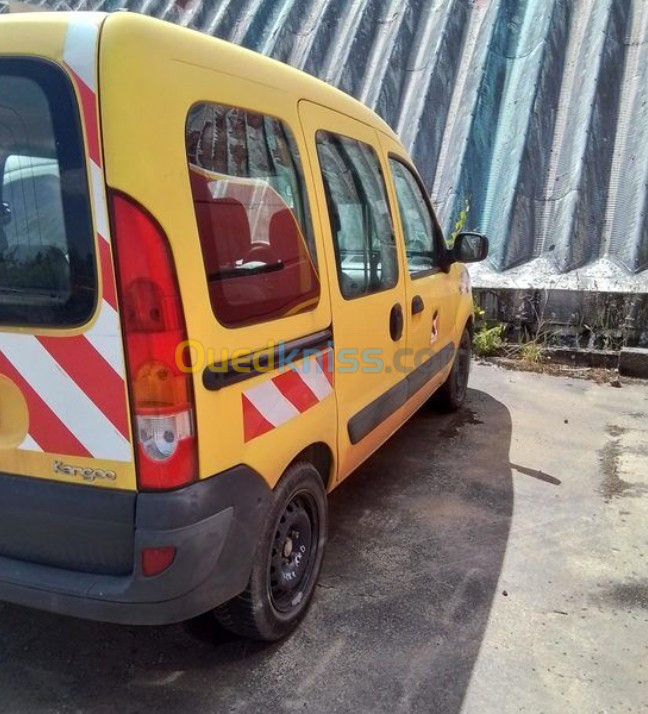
x: 214, y: 526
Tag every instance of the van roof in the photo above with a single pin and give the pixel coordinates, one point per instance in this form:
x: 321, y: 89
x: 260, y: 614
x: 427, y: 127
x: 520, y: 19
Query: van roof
x: 190, y: 46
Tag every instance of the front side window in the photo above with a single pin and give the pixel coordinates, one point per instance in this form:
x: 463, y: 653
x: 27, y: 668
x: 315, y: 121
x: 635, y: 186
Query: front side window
x: 252, y: 215
x: 47, y: 266
x: 361, y: 224
x: 418, y: 227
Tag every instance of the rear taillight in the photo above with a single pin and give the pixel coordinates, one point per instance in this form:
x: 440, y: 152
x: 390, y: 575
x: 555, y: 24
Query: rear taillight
x: 153, y: 323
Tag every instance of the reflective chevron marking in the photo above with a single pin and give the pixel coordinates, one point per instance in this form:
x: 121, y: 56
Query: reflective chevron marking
x: 105, y: 337
x: 285, y: 396
x: 45, y: 428
x: 92, y: 374
x: 28, y: 444
x: 74, y: 387
x: 66, y: 400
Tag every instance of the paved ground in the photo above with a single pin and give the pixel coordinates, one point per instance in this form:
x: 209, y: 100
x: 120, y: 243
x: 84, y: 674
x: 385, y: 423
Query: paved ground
x: 493, y: 561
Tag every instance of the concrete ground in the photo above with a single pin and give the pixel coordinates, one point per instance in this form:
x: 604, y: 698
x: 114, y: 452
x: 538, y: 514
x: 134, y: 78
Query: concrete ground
x: 491, y: 561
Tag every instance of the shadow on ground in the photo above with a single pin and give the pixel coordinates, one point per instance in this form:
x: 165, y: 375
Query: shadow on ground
x: 416, y: 546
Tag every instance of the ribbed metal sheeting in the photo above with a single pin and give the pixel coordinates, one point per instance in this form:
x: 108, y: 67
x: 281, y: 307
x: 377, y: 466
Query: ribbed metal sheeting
x: 534, y: 113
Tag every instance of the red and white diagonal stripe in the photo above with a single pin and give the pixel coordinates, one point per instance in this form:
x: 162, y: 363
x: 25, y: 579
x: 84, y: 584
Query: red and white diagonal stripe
x: 287, y: 395
x: 74, y: 386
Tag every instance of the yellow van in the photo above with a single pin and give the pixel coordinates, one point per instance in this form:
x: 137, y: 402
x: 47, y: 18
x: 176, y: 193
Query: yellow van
x: 222, y: 287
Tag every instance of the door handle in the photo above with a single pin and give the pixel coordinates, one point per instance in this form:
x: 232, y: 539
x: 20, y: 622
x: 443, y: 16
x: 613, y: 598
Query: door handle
x: 396, y: 322
x: 417, y: 305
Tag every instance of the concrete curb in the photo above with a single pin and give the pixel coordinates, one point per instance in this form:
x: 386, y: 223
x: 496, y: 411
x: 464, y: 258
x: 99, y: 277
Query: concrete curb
x: 629, y: 361
x: 598, y: 359
x: 633, y: 362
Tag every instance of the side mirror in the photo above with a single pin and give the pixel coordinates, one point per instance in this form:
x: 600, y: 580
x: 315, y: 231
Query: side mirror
x: 469, y: 247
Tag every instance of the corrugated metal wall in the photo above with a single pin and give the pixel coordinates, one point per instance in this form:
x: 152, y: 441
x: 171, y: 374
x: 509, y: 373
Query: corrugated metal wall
x: 534, y: 113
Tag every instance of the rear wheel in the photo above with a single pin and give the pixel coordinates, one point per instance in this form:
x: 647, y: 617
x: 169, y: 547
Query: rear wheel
x: 288, y: 560
x: 452, y: 393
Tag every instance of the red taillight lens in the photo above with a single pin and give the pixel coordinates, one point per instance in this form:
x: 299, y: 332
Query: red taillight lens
x: 154, y: 326
x: 157, y: 560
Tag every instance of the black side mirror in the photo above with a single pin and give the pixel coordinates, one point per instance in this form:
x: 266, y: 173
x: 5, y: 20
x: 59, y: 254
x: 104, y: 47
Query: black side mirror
x: 469, y: 247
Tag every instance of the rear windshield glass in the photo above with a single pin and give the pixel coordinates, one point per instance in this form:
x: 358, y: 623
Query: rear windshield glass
x: 47, y: 267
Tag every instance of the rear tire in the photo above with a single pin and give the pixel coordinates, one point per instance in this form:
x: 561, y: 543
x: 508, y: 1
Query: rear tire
x: 452, y: 394
x: 288, y: 560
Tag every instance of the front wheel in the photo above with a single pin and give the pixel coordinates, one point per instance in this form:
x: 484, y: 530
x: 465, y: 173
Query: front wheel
x: 287, y: 562
x: 452, y: 393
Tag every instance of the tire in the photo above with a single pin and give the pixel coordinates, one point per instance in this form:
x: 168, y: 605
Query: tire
x: 452, y: 394
x: 288, y: 560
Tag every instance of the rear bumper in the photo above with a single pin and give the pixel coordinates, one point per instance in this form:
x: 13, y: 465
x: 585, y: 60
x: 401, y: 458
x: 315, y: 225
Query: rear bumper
x: 214, y: 526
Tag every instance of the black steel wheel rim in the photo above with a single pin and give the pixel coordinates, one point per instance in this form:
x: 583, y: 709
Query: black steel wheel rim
x: 293, y: 552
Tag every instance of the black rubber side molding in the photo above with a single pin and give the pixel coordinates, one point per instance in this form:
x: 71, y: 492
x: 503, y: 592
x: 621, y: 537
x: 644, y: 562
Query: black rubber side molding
x: 374, y: 414
x: 419, y: 377
x: 222, y: 374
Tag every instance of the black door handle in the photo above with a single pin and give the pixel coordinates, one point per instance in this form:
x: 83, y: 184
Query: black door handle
x: 417, y: 305
x: 396, y: 322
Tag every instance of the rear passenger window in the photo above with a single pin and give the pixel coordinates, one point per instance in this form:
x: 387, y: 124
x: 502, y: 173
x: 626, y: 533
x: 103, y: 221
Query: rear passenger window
x: 47, y: 266
x: 252, y: 215
x: 362, y: 228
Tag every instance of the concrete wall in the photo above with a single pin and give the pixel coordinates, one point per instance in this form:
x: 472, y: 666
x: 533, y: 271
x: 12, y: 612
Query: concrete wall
x: 534, y: 113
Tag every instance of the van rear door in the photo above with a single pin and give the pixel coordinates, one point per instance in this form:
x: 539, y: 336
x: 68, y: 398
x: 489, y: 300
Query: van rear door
x: 64, y: 411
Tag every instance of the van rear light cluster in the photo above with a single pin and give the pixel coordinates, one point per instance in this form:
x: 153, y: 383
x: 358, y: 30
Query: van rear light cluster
x: 153, y: 322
